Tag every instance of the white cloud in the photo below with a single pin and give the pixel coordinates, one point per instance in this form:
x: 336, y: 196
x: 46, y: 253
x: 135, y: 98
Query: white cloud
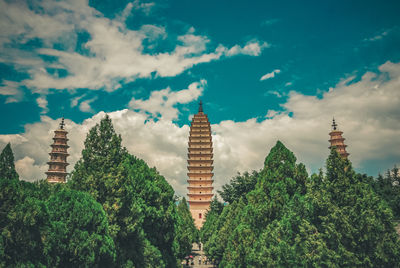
x: 11, y: 89
x: 288, y: 84
x: 378, y: 36
x: 252, y: 48
x: 270, y: 75
x: 161, y: 103
x: 42, y: 103
x: 75, y: 101
x: 366, y: 110
x: 274, y: 92
x: 84, y: 106
x: 113, y: 54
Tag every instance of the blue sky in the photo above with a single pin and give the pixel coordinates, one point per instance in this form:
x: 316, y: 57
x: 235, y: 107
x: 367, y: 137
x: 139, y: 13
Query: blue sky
x: 251, y: 62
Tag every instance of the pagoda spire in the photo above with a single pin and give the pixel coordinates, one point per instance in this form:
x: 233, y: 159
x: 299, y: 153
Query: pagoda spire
x: 62, y: 124
x: 200, y: 167
x: 337, y: 140
x: 57, y: 172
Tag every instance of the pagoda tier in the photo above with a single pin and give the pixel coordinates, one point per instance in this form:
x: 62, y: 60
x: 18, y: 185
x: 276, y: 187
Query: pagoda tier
x: 337, y: 141
x: 57, y: 172
x: 200, y: 167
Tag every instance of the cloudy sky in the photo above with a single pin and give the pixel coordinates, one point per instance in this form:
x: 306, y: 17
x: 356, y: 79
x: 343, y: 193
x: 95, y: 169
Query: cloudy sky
x: 265, y: 70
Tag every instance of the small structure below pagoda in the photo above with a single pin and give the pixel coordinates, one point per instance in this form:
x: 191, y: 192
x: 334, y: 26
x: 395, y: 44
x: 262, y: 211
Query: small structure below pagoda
x: 200, y: 166
x: 337, y: 141
x: 57, y: 172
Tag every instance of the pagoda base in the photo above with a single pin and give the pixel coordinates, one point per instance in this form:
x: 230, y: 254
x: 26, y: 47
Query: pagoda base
x: 198, y: 211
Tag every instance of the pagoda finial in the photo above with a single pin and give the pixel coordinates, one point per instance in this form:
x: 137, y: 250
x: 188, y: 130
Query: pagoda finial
x: 62, y: 124
x: 200, y: 106
x: 334, y: 125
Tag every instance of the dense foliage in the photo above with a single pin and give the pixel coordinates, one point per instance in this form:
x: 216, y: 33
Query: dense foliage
x: 51, y: 226
x: 239, y: 186
x: 139, y: 202
x: 186, y: 230
x: 388, y: 188
x: 7, y: 168
x: 288, y: 219
x: 114, y: 212
x: 117, y: 212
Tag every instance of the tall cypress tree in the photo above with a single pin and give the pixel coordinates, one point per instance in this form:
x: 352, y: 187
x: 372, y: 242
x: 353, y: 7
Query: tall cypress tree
x: 7, y: 167
x: 354, y: 222
x: 138, y: 201
x: 186, y: 231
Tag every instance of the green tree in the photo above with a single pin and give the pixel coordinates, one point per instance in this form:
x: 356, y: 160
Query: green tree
x: 139, y: 203
x: 388, y: 188
x: 353, y: 221
x: 7, y: 167
x: 78, y: 234
x: 238, y: 186
x: 24, y: 225
x: 186, y: 230
x: 279, y: 185
x: 212, y: 215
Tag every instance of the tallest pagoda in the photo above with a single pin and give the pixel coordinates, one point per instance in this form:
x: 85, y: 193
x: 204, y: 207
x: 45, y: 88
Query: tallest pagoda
x: 200, y: 166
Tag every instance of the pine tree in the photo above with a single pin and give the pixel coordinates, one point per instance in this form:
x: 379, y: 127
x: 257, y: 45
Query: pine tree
x: 7, y: 167
x: 186, y: 230
x: 139, y: 203
x: 78, y: 234
x: 209, y: 226
x: 238, y: 186
x: 352, y: 220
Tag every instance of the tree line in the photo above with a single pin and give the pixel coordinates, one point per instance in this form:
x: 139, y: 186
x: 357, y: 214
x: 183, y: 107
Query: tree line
x: 114, y: 211
x: 281, y: 217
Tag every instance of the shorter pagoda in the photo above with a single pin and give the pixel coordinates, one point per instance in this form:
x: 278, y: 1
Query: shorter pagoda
x: 337, y: 141
x: 57, y: 172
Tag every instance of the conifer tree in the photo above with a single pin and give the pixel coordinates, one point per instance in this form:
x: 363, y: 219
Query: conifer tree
x: 78, y: 234
x: 186, y: 230
x: 210, y: 224
x: 139, y: 203
x: 238, y: 186
x: 7, y: 167
x: 279, y: 185
x: 353, y: 221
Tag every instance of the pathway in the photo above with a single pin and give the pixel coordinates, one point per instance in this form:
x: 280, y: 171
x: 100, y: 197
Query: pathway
x: 196, y: 253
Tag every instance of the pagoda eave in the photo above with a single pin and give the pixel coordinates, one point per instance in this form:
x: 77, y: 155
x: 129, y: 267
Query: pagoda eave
x: 198, y: 201
x: 59, y: 145
x: 200, y: 187
x: 55, y: 172
x: 338, y: 146
x: 59, y: 153
x: 202, y: 181
x: 199, y: 155
x: 202, y: 143
x: 200, y: 195
x: 200, y: 149
x: 191, y: 174
x: 203, y: 161
x: 58, y: 163
x: 61, y: 138
x: 200, y: 168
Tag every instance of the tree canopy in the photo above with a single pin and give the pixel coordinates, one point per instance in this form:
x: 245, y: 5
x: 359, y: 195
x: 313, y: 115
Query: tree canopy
x: 7, y: 167
x: 289, y: 219
x: 138, y: 201
x: 115, y: 211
